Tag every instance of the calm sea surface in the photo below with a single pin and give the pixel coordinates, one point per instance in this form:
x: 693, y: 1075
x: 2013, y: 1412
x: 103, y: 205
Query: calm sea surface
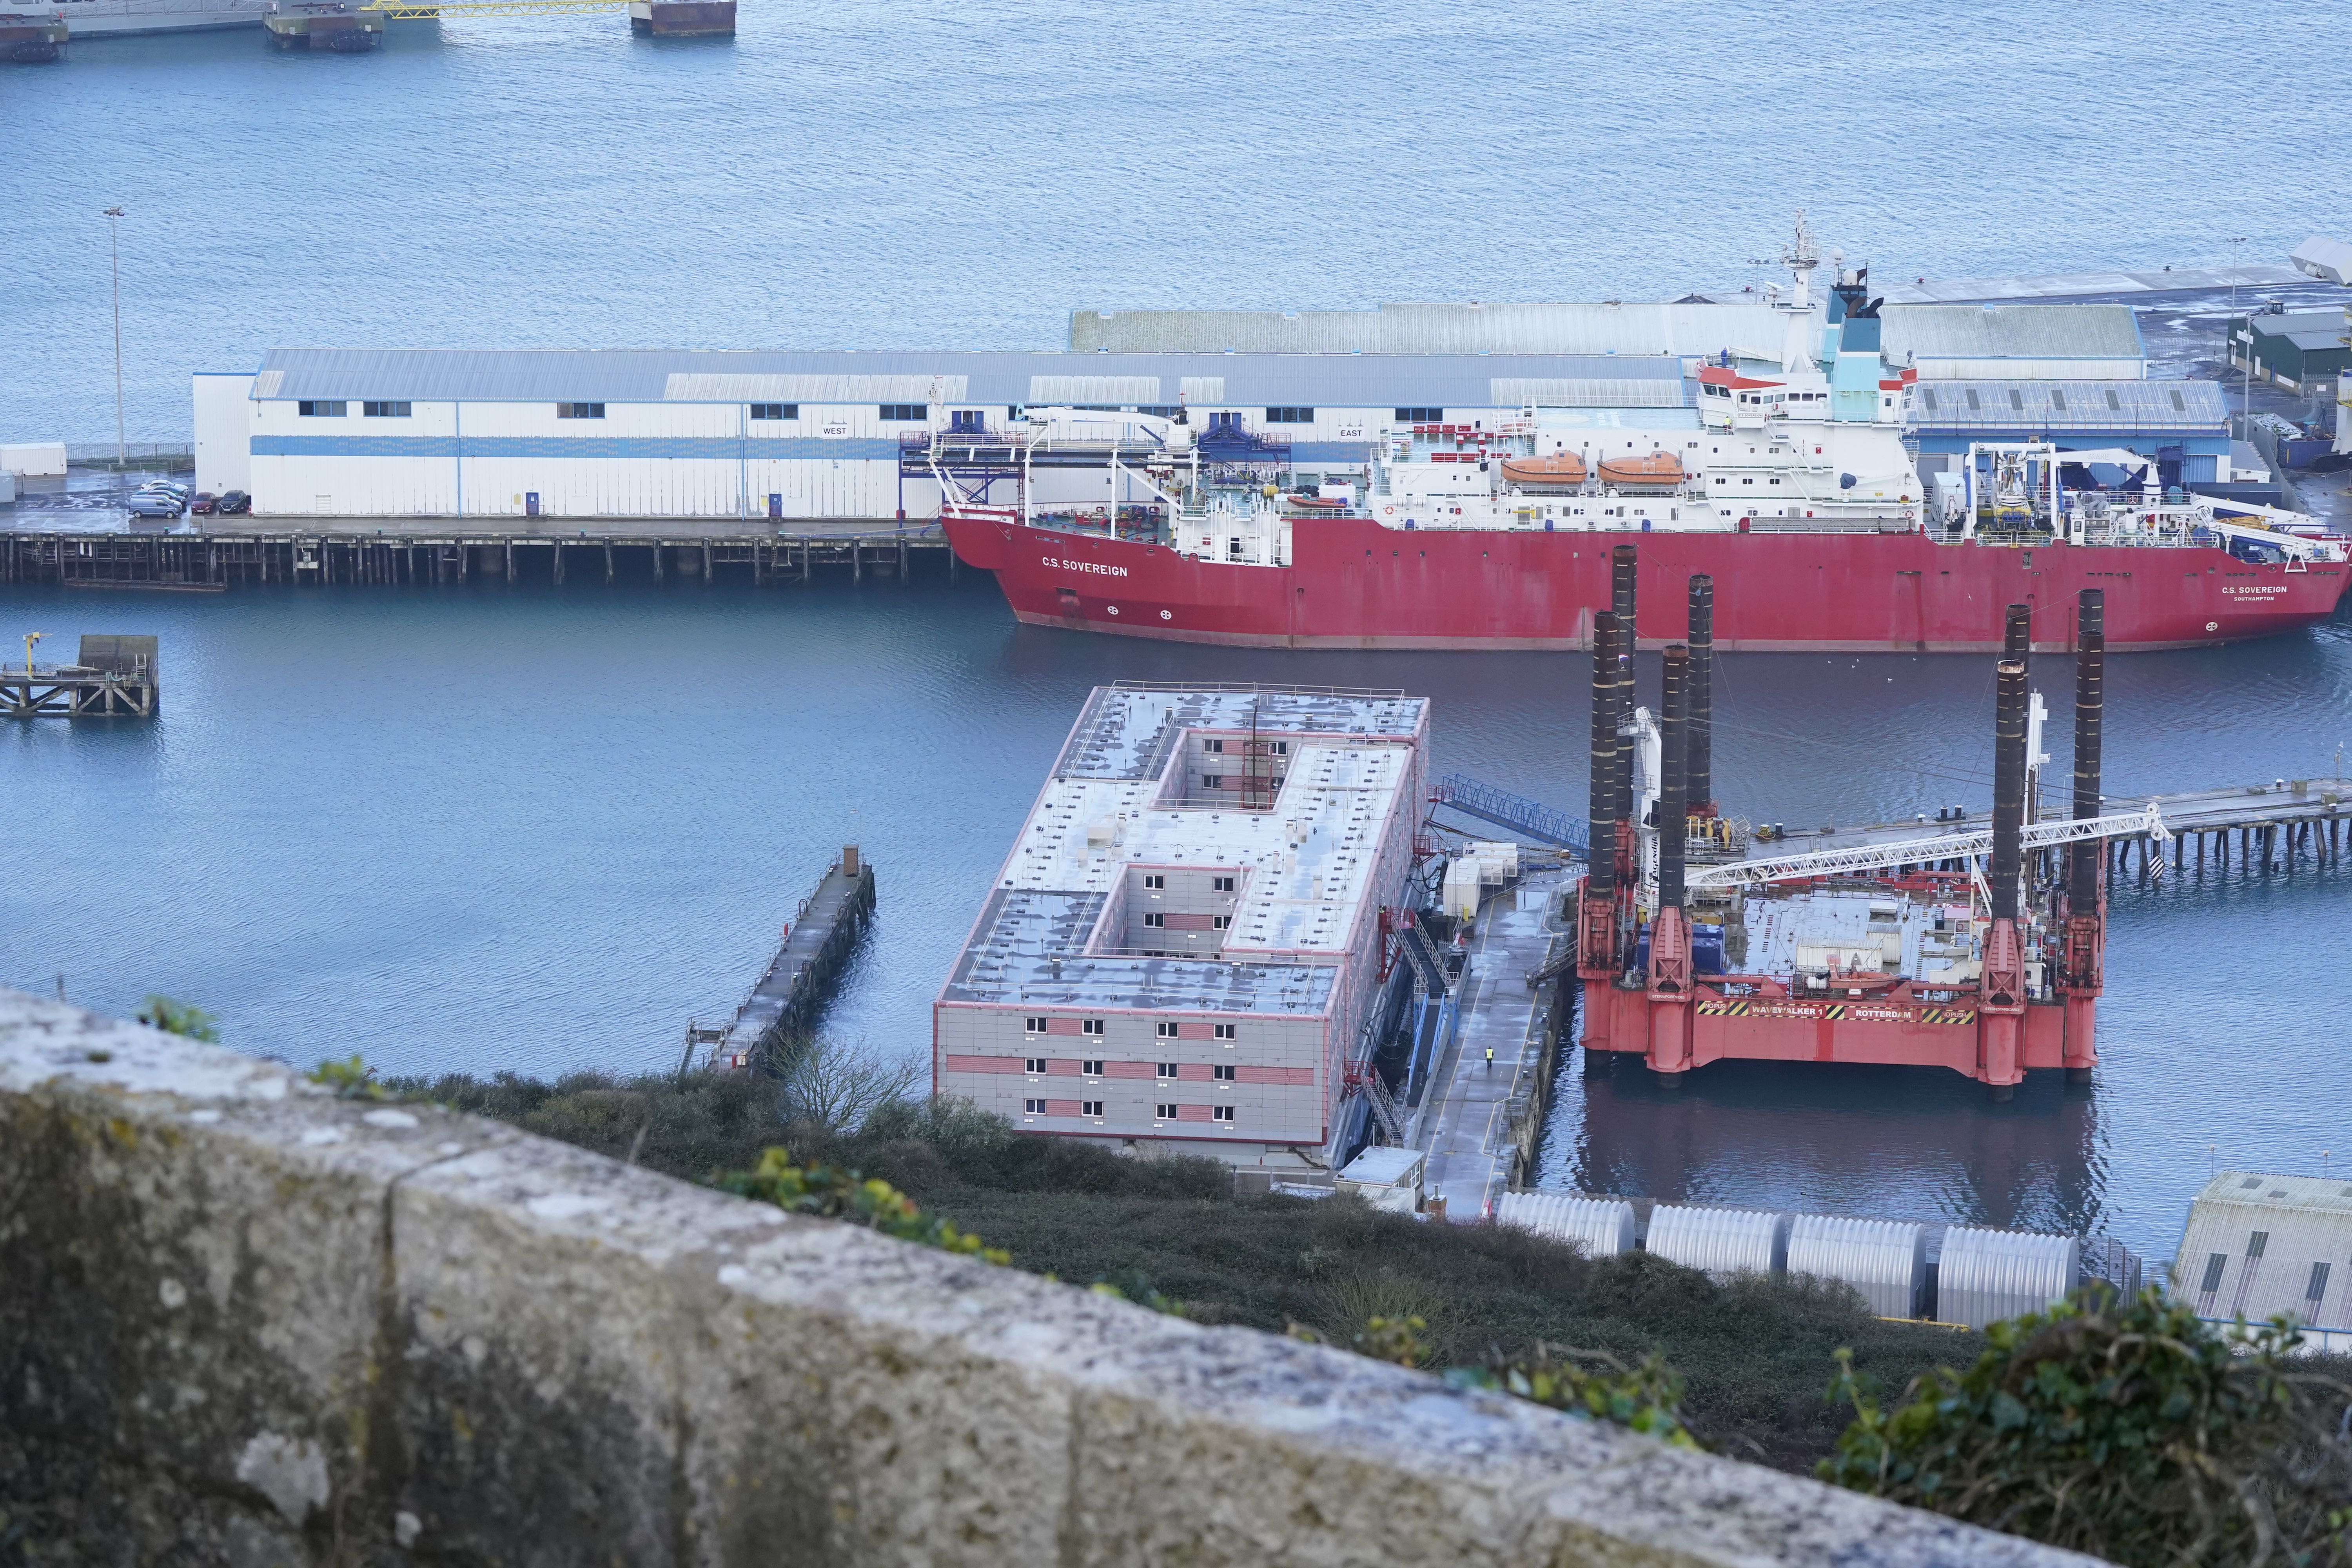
x: 519, y: 826
x: 929, y: 175
x: 535, y: 828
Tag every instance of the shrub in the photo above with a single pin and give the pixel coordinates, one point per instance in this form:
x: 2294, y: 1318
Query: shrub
x: 1591, y: 1385
x: 2135, y: 1432
x: 828, y: 1192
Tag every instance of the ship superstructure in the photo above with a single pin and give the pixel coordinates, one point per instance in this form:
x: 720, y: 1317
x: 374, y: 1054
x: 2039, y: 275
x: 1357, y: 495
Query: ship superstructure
x: 1787, y: 479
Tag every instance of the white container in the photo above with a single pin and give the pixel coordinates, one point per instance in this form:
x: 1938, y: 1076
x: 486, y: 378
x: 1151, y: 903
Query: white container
x: 1602, y: 1227
x: 35, y: 459
x: 1989, y: 1275
x: 1386, y: 1178
x: 1885, y: 1260
x: 1459, y: 895
x: 1721, y: 1241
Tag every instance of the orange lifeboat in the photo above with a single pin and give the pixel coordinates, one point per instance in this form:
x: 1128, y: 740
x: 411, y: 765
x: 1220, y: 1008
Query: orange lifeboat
x: 1559, y: 468
x: 1650, y: 468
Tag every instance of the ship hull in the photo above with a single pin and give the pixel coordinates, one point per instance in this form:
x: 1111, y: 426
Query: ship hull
x: 1355, y: 584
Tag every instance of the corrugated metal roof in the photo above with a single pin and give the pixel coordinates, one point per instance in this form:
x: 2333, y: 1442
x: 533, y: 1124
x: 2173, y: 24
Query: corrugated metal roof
x: 647, y: 375
x: 1602, y: 1227
x: 1584, y: 392
x: 2325, y: 258
x: 1985, y: 1276
x: 2261, y: 1243
x: 2010, y: 332
x: 719, y: 386
x: 1721, y: 1241
x: 1638, y: 330
x: 2124, y: 407
x: 1885, y: 1260
x: 2307, y: 329
x: 1119, y: 390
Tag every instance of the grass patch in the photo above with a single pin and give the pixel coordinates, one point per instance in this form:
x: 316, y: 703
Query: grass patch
x: 1757, y: 1356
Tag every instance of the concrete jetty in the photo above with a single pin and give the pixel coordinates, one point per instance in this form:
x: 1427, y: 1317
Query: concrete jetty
x: 816, y: 944
x: 1478, y: 1124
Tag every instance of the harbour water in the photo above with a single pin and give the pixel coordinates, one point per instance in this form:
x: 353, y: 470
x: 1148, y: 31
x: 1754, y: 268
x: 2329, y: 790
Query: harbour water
x: 868, y: 177
x: 516, y: 826
x: 524, y: 827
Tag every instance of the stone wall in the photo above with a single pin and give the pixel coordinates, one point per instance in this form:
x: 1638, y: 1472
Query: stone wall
x: 245, y: 1321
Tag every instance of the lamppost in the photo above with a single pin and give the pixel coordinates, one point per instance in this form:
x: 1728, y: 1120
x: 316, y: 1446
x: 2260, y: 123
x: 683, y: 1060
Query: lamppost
x: 2248, y: 397
x: 114, y: 232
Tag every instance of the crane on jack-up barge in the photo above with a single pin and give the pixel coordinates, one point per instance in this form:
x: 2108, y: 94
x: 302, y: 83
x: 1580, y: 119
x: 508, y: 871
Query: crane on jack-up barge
x: 1902, y: 953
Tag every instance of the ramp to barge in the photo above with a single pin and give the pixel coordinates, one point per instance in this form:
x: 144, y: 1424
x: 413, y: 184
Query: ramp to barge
x: 1478, y: 1124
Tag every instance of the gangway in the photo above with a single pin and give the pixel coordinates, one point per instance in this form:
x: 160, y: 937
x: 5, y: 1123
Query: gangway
x: 1520, y: 814
x: 1865, y: 857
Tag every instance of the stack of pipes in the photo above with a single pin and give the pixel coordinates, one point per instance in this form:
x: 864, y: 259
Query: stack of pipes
x: 1700, y: 698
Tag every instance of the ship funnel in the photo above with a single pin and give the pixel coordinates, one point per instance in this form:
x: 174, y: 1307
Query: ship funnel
x: 1674, y: 802
x: 2090, y: 701
x: 1699, y: 695
x: 1601, y: 853
x: 2008, y: 787
x: 2017, y: 643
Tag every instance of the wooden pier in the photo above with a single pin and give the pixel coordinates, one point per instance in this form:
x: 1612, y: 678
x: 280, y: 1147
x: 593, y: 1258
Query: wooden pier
x: 784, y: 1005
x: 112, y: 677
x: 408, y: 550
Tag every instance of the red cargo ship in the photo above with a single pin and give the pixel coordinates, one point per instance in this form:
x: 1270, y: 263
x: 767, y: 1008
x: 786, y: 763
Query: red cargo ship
x: 1352, y: 583
x: 1790, y: 485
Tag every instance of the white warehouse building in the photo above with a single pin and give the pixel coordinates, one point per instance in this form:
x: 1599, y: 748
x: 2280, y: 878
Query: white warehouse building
x: 748, y: 435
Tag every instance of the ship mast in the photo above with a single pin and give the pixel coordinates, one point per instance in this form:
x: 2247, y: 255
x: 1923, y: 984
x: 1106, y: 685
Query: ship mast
x: 1800, y: 258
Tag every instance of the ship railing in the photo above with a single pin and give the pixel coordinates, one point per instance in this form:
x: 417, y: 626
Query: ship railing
x: 1894, y: 523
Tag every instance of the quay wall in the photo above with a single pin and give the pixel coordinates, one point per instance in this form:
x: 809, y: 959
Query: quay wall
x: 243, y: 1320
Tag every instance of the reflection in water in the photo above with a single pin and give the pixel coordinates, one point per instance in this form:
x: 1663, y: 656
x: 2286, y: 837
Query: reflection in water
x: 343, y: 834
x: 1877, y: 1142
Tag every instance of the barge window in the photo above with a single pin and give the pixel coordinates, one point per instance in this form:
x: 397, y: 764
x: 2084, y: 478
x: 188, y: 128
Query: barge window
x: 775, y: 411
x: 580, y: 410
x: 320, y: 410
x: 384, y: 410
x: 906, y: 410
x: 1290, y: 416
